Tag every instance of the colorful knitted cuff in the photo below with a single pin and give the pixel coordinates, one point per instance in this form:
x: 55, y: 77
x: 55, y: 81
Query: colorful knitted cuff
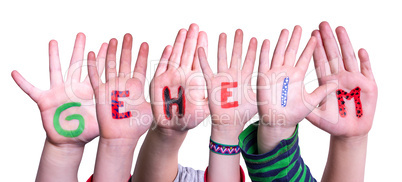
x: 223, y: 149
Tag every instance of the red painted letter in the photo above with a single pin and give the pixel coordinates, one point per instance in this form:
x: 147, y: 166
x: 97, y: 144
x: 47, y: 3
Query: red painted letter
x: 225, y: 94
x: 355, y: 93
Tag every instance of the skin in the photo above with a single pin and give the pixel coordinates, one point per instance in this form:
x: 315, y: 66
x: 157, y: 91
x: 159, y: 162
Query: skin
x: 349, y: 135
x: 277, y: 122
x: 119, y: 137
x: 179, y: 65
x: 228, y: 123
x: 61, y: 156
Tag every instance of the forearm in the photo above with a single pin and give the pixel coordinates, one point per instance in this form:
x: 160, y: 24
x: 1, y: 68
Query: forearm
x: 346, y: 159
x: 158, y: 157
x: 114, y: 159
x: 59, y: 163
x: 224, y: 167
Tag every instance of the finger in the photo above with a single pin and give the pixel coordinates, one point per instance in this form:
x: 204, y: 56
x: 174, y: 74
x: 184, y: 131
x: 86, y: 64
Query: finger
x: 74, y: 71
x: 331, y: 48
x: 100, y: 61
x: 222, y: 53
x: 125, y: 57
x: 190, y: 46
x: 235, y: 63
x: 365, y: 65
x: 291, y: 50
x: 279, y: 52
x: 25, y: 86
x: 206, y: 69
x: 174, y: 60
x: 348, y: 54
x: 263, y: 66
x: 248, y: 65
x: 140, y: 68
x: 54, y: 64
x: 305, y: 57
x: 93, y: 74
x: 320, y: 93
x: 111, y: 60
x: 162, y: 66
x: 320, y: 59
x: 201, y: 42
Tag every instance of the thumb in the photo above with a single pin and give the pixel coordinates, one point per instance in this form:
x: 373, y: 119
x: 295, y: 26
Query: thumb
x: 320, y: 93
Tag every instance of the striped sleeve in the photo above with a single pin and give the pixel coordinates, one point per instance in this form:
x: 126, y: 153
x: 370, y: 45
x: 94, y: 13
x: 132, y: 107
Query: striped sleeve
x: 283, y: 163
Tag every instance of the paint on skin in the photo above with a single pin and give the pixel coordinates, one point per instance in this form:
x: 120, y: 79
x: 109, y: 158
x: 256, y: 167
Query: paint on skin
x: 285, y: 89
x: 168, y: 102
x: 225, y: 94
x: 355, y: 94
x: 116, y: 104
x: 68, y: 133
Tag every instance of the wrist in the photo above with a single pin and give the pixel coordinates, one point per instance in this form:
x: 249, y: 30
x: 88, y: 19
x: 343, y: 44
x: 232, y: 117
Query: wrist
x: 67, y: 147
x: 119, y: 144
x: 269, y: 137
x: 276, y: 132
x: 226, y: 134
x: 350, y: 142
x: 167, y: 132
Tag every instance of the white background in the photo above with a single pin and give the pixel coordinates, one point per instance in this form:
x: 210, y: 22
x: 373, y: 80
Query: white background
x: 28, y: 26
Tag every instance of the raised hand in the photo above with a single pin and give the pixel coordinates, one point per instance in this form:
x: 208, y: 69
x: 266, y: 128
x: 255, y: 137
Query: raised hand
x: 133, y: 116
x: 177, y: 89
x: 332, y: 66
x: 50, y: 102
x: 123, y: 113
x: 178, y: 105
x: 282, y: 99
x: 347, y: 121
x: 67, y: 111
x: 231, y: 84
x: 232, y: 103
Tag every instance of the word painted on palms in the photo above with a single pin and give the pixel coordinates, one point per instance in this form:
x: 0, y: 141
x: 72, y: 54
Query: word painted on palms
x: 355, y: 94
x: 64, y: 132
x: 225, y: 94
x: 116, y: 104
x: 169, y: 102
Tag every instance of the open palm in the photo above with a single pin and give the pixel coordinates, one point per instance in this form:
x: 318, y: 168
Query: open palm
x: 129, y: 126
x: 243, y: 105
x: 179, y: 68
x: 332, y: 66
x: 55, y: 121
x: 279, y: 108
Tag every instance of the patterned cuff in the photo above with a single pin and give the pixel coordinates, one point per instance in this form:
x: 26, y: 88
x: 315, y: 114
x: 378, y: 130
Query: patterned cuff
x: 223, y: 149
x: 242, y: 175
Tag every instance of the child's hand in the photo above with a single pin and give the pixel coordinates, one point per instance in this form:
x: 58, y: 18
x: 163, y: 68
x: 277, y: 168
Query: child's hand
x: 348, y: 113
x: 282, y: 99
x: 123, y: 113
x: 231, y: 98
x: 177, y: 89
x: 130, y: 118
x: 83, y: 126
x: 331, y: 66
x: 232, y: 103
